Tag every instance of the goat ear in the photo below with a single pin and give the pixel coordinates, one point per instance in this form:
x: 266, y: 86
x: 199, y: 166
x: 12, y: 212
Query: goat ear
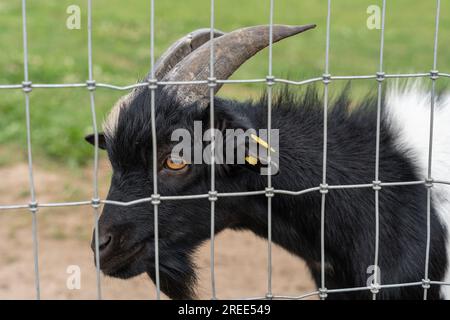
x: 101, y: 140
x: 256, y: 154
x: 246, y: 141
x: 225, y: 119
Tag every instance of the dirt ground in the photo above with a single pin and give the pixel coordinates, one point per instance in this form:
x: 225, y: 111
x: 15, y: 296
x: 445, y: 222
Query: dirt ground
x: 64, y: 238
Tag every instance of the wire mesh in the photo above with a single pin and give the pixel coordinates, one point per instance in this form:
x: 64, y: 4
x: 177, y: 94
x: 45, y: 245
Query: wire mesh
x: 214, y: 195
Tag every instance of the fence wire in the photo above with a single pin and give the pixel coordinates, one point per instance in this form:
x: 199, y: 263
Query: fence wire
x: 214, y: 195
x: 376, y: 182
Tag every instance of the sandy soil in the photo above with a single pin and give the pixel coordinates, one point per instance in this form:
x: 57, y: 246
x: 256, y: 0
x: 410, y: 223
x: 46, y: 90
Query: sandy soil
x: 64, y: 237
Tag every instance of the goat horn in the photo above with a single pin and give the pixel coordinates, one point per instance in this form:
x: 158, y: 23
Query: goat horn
x: 180, y: 49
x: 230, y: 51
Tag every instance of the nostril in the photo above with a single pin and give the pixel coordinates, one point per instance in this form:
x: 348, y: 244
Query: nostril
x: 104, y: 241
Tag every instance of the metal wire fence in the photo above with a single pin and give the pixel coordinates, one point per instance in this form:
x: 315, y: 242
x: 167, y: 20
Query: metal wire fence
x: 214, y: 195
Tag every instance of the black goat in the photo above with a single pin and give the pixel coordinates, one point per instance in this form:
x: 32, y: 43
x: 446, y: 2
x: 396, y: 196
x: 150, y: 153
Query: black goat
x: 126, y: 233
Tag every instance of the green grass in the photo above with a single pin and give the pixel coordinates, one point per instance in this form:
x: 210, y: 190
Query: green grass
x: 61, y: 117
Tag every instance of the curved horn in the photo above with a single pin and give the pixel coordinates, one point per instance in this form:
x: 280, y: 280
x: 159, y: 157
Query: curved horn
x: 180, y: 49
x: 230, y: 51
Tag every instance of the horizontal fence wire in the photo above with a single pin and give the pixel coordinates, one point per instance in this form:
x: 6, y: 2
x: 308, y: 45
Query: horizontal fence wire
x: 213, y: 195
x: 233, y: 81
x: 219, y: 195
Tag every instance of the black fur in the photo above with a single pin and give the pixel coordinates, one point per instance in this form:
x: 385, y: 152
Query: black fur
x: 350, y: 213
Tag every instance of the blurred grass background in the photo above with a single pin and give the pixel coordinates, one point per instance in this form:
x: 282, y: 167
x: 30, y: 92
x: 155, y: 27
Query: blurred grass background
x: 61, y: 117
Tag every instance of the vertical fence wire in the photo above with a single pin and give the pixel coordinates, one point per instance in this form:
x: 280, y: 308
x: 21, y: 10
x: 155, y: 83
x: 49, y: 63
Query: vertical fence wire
x: 429, y: 179
x: 376, y: 182
x: 33, y: 203
x: 95, y: 199
x: 269, y: 189
x: 155, y: 195
x: 324, y: 186
x: 212, y: 193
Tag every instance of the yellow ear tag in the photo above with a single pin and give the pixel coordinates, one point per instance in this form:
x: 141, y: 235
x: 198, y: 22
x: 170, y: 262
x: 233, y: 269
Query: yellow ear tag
x: 251, y: 160
x: 261, y: 142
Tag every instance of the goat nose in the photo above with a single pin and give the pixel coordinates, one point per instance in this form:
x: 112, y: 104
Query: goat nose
x: 104, y: 241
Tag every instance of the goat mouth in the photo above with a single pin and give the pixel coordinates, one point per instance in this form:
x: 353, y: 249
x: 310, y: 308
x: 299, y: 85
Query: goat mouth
x: 123, y: 264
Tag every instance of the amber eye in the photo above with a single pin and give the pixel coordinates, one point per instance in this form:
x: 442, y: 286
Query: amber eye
x: 175, y: 163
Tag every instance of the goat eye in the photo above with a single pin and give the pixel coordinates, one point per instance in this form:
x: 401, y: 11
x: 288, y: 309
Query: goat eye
x: 175, y: 163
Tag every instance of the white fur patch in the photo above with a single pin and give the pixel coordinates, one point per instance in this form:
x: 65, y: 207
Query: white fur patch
x: 112, y: 120
x: 408, y: 109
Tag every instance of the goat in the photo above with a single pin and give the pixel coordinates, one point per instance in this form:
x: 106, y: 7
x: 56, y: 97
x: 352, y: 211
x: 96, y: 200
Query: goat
x: 126, y: 234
